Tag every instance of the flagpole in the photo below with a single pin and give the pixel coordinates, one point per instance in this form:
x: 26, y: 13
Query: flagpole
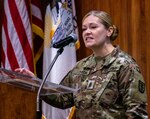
x: 38, y: 112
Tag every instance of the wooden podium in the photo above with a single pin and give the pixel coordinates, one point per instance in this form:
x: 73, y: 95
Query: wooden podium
x: 17, y: 103
x: 18, y: 94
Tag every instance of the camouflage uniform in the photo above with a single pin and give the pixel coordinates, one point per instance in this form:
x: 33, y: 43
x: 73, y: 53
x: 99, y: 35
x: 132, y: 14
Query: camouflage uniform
x: 109, y: 88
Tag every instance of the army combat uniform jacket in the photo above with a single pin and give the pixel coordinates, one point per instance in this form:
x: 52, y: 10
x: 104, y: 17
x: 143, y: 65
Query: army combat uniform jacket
x: 111, y: 87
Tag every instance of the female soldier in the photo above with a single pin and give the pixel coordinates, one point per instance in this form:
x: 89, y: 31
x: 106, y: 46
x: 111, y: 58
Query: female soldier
x: 110, y: 83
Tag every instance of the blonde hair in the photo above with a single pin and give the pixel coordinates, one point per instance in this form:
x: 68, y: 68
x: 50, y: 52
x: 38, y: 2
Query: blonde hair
x: 106, y: 20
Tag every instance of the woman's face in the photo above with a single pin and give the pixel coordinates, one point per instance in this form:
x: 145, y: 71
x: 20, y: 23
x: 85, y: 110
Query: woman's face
x: 94, y: 33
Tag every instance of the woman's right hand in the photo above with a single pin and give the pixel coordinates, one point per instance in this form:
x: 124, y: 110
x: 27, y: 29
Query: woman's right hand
x: 25, y: 71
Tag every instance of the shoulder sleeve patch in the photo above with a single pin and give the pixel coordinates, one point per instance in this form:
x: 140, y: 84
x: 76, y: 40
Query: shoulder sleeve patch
x: 141, y: 86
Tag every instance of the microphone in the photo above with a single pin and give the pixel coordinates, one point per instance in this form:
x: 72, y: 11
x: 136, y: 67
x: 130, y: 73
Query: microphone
x: 72, y: 38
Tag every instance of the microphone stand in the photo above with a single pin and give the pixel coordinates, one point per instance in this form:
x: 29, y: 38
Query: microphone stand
x: 38, y: 112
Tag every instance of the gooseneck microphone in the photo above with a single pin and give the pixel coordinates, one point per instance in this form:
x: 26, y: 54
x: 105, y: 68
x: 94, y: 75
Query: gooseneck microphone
x: 72, y: 38
x: 60, y: 44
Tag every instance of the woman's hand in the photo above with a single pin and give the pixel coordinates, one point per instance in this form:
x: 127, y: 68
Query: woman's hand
x: 25, y: 71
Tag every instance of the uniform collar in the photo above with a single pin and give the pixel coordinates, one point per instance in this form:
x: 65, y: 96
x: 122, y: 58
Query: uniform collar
x: 100, y: 62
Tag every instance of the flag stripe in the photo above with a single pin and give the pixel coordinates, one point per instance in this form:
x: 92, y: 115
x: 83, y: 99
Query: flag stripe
x: 37, y: 14
x: 36, y: 3
x: 36, y: 11
x: 37, y: 21
x: 28, y: 7
x: 3, y: 57
x: 5, y: 62
x: 22, y: 35
x: 9, y: 46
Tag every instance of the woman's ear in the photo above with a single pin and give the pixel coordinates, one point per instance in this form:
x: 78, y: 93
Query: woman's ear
x: 109, y: 31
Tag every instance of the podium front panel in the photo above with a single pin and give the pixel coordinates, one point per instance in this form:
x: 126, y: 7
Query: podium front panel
x: 17, y: 103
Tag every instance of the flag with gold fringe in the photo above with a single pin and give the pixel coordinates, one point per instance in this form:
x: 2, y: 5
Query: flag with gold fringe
x: 59, y: 23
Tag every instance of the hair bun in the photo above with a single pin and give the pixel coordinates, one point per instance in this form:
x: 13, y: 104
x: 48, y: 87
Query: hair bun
x: 115, y: 33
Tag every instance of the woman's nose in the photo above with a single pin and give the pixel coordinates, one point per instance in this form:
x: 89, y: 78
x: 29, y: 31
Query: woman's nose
x: 88, y: 31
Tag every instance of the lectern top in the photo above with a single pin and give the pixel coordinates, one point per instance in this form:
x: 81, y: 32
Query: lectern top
x: 30, y: 83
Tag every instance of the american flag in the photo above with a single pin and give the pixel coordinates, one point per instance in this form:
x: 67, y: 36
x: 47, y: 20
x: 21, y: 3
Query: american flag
x: 21, y: 18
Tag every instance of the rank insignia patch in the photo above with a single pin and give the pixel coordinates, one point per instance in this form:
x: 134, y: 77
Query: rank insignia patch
x: 91, y: 84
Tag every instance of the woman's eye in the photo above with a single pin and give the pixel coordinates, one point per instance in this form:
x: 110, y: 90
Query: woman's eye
x: 93, y: 27
x: 83, y: 29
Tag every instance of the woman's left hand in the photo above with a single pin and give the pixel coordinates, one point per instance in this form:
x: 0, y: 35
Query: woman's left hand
x: 25, y: 71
